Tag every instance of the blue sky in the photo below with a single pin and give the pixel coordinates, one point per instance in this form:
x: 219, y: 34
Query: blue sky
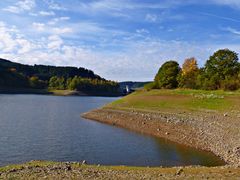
x: 117, y: 39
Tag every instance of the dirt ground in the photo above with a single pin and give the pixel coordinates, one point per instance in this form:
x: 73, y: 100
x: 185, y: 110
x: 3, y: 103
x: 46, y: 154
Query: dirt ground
x: 51, y: 170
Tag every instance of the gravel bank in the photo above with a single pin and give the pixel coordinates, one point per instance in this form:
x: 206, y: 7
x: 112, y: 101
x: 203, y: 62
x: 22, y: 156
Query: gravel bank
x: 218, y: 133
x: 45, y: 170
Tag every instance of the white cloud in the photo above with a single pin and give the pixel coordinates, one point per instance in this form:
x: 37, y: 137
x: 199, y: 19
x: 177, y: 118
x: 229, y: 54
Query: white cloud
x: 47, y: 13
x: 57, y: 7
x: 117, y: 5
x: 54, y: 6
x: 142, y: 31
x: 54, y: 42
x: 7, y: 44
x: 10, y: 42
x: 12, y: 9
x: 25, y: 46
x: 233, y: 31
x: 56, y: 20
x: 232, y: 3
x: 151, y: 17
x: 38, y: 26
x: 21, y: 6
x: 26, y: 4
x: 124, y: 8
x: 62, y: 30
x: 64, y: 18
x: 41, y: 27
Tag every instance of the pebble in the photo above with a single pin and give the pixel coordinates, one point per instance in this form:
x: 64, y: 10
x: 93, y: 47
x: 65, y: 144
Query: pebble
x: 84, y: 162
x: 179, y: 171
x: 68, y: 168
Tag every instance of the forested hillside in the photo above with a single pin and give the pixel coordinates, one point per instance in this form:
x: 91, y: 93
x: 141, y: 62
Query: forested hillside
x: 44, y: 72
x: 16, y: 75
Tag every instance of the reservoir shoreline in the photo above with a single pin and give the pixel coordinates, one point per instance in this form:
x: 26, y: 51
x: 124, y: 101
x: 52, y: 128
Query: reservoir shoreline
x: 212, y: 132
x: 52, y: 92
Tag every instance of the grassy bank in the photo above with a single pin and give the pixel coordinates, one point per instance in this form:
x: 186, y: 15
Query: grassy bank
x: 57, y: 170
x: 180, y: 100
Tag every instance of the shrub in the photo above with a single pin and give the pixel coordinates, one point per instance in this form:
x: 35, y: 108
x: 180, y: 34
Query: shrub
x: 230, y: 85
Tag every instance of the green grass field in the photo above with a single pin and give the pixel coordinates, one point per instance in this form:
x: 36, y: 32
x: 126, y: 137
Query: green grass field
x: 180, y: 99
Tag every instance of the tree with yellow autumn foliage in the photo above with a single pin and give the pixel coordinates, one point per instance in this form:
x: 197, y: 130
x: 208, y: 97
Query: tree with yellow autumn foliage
x: 188, y: 75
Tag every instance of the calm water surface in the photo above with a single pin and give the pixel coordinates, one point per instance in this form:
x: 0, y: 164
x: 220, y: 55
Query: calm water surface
x: 36, y: 127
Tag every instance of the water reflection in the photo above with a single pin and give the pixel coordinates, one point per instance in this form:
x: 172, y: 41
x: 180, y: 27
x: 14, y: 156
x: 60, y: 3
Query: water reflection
x: 182, y: 155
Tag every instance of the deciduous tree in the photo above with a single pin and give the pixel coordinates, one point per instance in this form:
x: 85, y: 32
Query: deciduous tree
x: 167, y: 75
x: 188, y: 76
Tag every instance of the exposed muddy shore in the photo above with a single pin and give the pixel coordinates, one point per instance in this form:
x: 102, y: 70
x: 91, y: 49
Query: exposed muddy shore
x: 214, y: 132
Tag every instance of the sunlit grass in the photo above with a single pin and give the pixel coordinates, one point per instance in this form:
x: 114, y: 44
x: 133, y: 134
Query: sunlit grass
x: 180, y: 99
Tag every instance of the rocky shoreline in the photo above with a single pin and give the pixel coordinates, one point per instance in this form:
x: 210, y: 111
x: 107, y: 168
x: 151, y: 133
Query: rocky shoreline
x: 76, y: 170
x: 210, y: 131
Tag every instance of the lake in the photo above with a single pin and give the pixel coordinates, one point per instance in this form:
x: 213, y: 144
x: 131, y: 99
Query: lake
x: 38, y: 127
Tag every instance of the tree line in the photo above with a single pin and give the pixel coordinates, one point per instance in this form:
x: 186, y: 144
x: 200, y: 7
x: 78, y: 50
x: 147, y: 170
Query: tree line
x: 221, y: 71
x: 86, y: 85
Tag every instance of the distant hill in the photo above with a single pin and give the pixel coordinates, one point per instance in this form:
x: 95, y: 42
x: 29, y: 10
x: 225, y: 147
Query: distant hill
x: 45, y: 72
x: 16, y: 76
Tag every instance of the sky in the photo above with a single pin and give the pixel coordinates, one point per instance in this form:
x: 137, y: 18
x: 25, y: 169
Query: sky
x: 120, y: 40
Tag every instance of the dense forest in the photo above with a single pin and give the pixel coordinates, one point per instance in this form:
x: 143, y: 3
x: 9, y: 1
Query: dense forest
x: 221, y: 71
x: 16, y: 75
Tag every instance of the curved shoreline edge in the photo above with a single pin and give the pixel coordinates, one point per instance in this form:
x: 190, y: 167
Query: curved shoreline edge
x: 75, y: 170
x: 212, y: 132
